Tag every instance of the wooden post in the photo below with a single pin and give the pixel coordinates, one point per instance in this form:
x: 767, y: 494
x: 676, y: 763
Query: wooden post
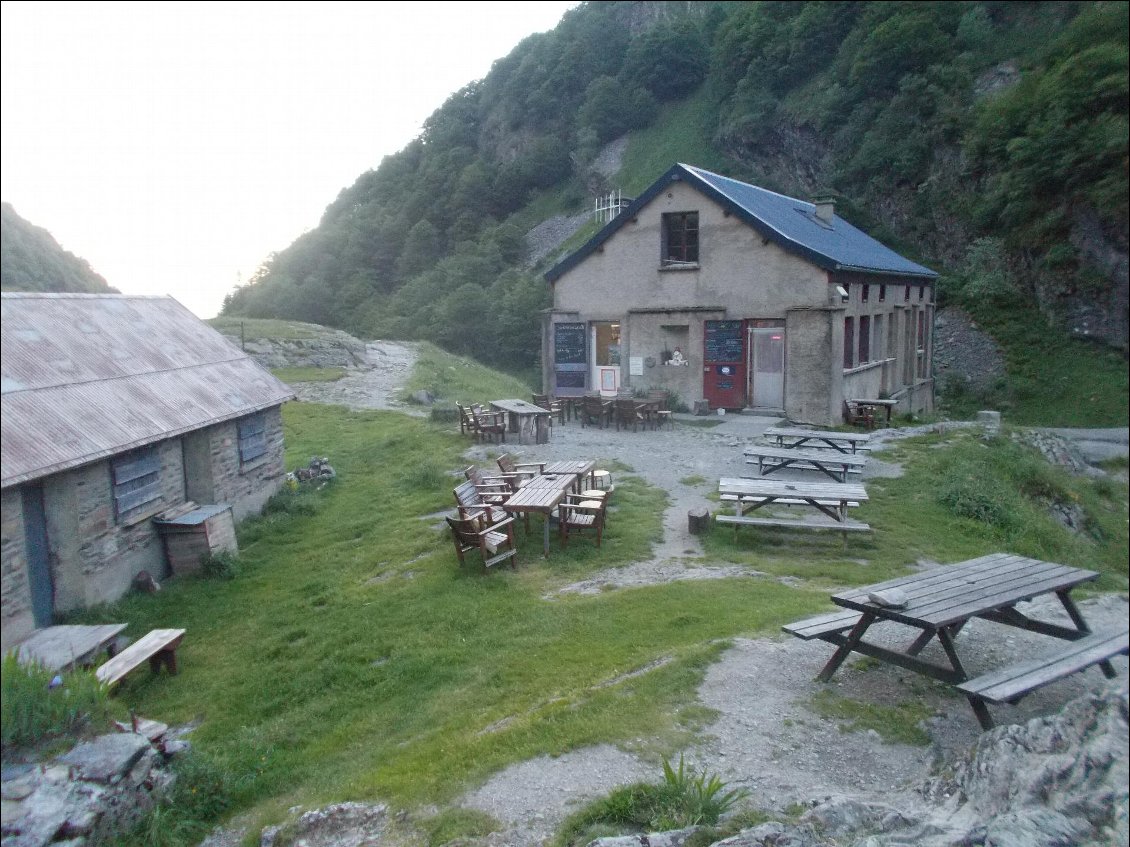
x: 698, y: 521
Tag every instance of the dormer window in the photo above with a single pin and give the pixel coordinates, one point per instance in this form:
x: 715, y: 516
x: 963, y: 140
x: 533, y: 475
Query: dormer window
x: 680, y: 239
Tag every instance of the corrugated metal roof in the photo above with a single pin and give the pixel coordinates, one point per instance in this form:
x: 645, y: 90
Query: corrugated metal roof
x: 86, y: 376
x: 791, y: 223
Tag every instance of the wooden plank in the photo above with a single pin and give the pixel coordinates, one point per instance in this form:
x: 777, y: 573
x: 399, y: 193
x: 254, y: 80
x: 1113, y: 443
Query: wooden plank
x: 821, y: 625
x: 781, y: 501
x: 800, y: 453
x: 838, y: 491
x: 801, y: 432
x: 66, y: 645
x: 149, y: 645
x: 842, y: 526
x: 1013, y: 682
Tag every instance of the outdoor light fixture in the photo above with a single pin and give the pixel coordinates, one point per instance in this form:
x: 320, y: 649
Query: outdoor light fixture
x: 842, y: 292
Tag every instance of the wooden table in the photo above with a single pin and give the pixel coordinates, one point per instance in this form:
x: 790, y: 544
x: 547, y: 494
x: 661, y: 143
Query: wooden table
x: 542, y: 494
x: 792, y: 437
x: 581, y: 468
x: 66, y: 646
x: 529, y: 422
x: 831, y: 463
x: 830, y: 499
x: 886, y: 405
x: 939, y: 602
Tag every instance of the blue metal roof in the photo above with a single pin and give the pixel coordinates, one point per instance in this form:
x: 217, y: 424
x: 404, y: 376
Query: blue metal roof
x: 790, y: 223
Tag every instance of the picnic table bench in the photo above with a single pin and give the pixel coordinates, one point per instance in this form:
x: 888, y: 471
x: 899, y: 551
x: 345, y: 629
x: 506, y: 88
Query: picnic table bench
x: 833, y: 464
x: 793, y: 437
x: 68, y: 645
x: 941, y: 601
x: 831, y: 500
x: 158, y: 646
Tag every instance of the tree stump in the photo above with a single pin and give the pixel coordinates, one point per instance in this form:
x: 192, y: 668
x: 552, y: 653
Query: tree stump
x: 698, y: 521
x: 702, y: 407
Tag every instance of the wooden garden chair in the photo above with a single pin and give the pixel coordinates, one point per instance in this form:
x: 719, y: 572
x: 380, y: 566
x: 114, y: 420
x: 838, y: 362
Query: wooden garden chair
x: 578, y: 513
x: 556, y: 407
x: 519, y: 472
x: 494, y: 541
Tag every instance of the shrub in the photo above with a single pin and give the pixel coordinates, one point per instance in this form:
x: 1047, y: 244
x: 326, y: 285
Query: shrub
x: 969, y: 494
x: 684, y: 798
x: 222, y: 564
x: 38, y: 704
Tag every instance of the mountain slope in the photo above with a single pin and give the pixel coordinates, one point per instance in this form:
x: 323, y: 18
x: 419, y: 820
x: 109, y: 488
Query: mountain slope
x: 32, y: 260
x: 985, y: 139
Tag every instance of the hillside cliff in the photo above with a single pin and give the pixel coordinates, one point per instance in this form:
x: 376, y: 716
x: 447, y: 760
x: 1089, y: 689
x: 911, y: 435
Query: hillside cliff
x: 988, y: 140
x: 32, y: 260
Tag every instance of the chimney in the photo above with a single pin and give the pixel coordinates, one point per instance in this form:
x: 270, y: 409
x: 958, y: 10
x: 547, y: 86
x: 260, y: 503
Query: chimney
x: 825, y: 208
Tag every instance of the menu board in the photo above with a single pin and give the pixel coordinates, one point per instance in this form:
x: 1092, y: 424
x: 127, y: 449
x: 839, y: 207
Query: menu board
x: 724, y: 341
x: 569, y: 344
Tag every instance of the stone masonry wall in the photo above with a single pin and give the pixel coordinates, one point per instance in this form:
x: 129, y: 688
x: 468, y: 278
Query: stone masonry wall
x: 247, y: 487
x: 110, y: 554
x: 16, y: 619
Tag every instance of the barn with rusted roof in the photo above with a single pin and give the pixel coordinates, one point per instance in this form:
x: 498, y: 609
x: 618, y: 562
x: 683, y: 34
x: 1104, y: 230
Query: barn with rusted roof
x: 116, y: 409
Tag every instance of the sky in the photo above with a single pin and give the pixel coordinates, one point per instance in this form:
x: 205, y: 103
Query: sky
x: 175, y: 146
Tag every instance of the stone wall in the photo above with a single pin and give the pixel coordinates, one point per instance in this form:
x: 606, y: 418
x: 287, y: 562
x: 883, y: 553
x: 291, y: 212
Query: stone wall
x: 16, y: 619
x: 224, y: 479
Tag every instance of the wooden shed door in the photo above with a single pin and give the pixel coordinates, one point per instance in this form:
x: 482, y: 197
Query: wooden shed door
x: 724, y: 364
x: 38, y: 563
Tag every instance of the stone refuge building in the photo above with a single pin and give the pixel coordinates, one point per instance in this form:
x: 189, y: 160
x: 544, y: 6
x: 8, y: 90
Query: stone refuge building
x: 722, y: 291
x: 116, y: 408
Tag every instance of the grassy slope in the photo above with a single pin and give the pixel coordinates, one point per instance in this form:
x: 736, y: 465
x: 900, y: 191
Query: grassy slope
x: 454, y: 379
x: 352, y: 659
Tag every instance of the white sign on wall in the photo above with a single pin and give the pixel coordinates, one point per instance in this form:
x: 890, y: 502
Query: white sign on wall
x: 635, y: 365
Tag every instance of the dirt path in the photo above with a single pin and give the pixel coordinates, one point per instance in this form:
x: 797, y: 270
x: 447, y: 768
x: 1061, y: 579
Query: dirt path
x: 766, y: 737
x: 374, y: 386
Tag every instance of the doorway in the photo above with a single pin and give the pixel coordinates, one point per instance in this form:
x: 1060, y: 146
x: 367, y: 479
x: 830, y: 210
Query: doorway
x: 767, y: 364
x: 606, y: 357
x: 38, y: 556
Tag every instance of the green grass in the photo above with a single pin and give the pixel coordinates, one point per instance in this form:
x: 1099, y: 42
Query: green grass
x: 1051, y: 380
x: 37, y: 705
x: 309, y: 374
x: 352, y: 659
x: 267, y: 328
x: 452, y: 379
x: 899, y: 724
x: 681, y: 132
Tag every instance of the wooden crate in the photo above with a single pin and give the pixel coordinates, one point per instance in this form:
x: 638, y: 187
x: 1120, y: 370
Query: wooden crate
x: 191, y: 536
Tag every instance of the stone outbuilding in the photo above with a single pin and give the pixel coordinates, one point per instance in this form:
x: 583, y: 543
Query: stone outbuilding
x: 718, y: 290
x: 116, y: 409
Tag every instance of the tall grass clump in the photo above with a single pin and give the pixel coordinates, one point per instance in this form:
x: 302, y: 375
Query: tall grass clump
x: 684, y: 798
x: 38, y: 704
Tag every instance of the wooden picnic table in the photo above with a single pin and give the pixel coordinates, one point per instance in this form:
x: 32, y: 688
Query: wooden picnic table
x: 542, y: 495
x: 68, y: 645
x: 529, y: 422
x: 941, y: 601
x: 830, y: 499
x: 831, y: 463
x: 885, y: 405
x: 793, y: 437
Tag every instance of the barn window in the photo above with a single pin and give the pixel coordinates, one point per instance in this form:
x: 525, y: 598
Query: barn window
x: 252, y: 438
x: 137, y: 483
x: 680, y: 238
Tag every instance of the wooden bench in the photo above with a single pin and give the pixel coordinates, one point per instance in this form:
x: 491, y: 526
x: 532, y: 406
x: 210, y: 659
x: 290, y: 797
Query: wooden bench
x: 784, y: 501
x: 1011, y: 684
x: 794, y: 523
x: 158, y: 646
x: 822, y: 625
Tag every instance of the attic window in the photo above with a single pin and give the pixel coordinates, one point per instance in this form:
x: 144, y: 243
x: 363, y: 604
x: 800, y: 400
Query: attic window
x: 680, y: 239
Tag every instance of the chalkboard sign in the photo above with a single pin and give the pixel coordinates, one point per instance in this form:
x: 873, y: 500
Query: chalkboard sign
x: 569, y: 344
x: 570, y: 379
x: 724, y: 341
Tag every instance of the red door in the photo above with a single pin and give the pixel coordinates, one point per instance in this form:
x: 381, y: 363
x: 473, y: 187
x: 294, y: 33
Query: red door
x: 724, y: 364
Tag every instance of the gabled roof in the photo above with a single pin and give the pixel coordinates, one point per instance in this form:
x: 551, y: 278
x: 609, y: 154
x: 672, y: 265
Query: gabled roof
x: 790, y: 223
x: 86, y: 376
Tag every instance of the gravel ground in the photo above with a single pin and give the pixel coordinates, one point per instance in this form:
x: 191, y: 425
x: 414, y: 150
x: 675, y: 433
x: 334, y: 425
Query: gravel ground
x: 766, y: 738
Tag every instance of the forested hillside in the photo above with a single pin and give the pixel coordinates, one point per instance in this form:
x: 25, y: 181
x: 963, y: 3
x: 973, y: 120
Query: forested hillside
x: 32, y: 260
x: 987, y: 140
